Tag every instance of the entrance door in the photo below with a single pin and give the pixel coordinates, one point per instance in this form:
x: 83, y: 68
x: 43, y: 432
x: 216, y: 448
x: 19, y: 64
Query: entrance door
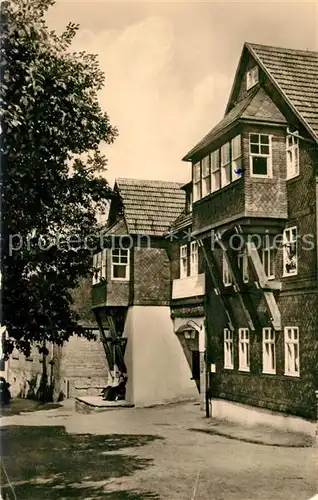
x: 196, y: 368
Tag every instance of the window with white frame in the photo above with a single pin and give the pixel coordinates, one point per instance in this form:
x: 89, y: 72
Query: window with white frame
x: 227, y: 276
x: 290, y: 263
x: 225, y: 164
x: 268, y: 257
x: 236, y: 154
x: 183, y: 261
x: 99, y: 266
x: 269, y: 352
x: 120, y: 264
x: 215, y: 171
x: 260, y: 155
x: 228, y: 349
x: 194, y: 258
x: 292, y: 156
x: 291, y: 351
x: 242, y: 261
x: 244, y: 349
x: 251, y: 77
x: 189, y: 202
x: 206, y: 179
x: 196, y: 181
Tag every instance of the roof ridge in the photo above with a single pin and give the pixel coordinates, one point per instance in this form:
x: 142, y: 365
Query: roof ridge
x: 133, y: 179
x: 285, y: 49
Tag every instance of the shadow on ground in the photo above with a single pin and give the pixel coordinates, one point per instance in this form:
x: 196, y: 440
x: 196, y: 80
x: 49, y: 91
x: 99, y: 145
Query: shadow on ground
x: 46, y: 462
x: 18, y: 405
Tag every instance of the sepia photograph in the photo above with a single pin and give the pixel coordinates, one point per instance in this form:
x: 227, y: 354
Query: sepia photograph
x: 159, y: 250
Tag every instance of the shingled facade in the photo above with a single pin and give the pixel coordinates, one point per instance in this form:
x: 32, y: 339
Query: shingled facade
x: 229, y: 282
x: 255, y: 217
x: 132, y: 290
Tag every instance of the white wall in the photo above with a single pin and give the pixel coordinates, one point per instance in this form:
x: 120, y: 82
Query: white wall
x: 201, y: 346
x: 159, y: 371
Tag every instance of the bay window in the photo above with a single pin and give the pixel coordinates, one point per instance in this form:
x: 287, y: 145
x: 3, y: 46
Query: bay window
x: 206, y: 180
x: 260, y: 155
x: 225, y: 164
x: 215, y: 171
x: 99, y: 265
x: 120, y: 264
x: 236, y: 156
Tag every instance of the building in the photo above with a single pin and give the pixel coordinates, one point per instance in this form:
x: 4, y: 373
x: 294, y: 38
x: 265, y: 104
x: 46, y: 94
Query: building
x: 132, y: 289
x: 254, y: 216
x: 79, y: 368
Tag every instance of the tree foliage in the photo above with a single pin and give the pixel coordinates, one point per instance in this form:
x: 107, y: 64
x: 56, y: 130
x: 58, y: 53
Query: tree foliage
x: 52, y: 182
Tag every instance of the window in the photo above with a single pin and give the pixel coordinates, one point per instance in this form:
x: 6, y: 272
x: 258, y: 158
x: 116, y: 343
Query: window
x: 260, y: 155
x: 236, y: 157
x: 196, y: 181
x: 189, y: 202
x: 99, y: 265
x: 242, y: 261
x: 215, y: 171
x: 251, y: 77
x: 120, y: 264
x: 292, y: 156
x: 206, y: 180
x: 291, y: 351
x: 227, y: 276
x: 290, y: 251
x: 225, y: 165
x: 244, y: 350
x: 183, y: 262
x: 269, y: 354
x: 194, y: 261
x: 268, y: 257
x: 228, y: 349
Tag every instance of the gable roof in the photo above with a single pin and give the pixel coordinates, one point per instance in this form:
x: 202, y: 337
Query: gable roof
x: 257, y: 105
x: 150, y: 207
x: 294, y: 73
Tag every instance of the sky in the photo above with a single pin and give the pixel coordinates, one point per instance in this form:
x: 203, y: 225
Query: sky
x: 170, y: 66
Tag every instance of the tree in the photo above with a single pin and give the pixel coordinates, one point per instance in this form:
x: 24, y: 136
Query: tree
x: 52, y: 182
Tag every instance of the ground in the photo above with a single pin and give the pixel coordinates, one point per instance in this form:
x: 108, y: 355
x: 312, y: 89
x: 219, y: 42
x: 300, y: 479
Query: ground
x: 131, y: 454
x: 18, y: 405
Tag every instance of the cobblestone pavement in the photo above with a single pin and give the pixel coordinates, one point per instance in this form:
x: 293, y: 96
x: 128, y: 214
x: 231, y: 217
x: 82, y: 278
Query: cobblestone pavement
x: 147, y: 453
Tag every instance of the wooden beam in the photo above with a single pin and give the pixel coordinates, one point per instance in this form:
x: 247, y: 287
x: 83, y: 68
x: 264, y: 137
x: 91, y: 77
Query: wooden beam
x: 264, y: 284
x: 215, y: 283
x: 237, y: 289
